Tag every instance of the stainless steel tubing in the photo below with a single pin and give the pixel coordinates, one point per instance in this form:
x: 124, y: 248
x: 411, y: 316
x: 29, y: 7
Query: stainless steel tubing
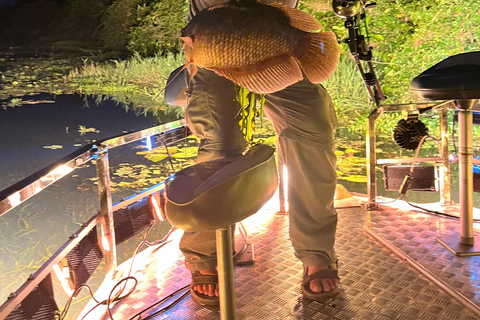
x: 465, y: 119
x: 281, y: 183
x: 225, y: 273
x: 371, y: 158
x: 445, y: 185
x: 106, y: 212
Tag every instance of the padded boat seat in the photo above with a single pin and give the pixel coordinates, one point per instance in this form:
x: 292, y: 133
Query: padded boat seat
x: 175, y: 91
x: 455, y: 78
x: 215, y: 194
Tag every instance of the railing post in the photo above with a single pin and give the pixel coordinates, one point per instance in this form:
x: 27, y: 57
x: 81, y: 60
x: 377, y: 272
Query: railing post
x: 106, y: 212
x: 281, y: 182
x: 465, y: 120
x: 372, y: 159
x: 445, y: 185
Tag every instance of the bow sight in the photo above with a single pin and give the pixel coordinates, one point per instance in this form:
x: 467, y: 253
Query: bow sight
x: 354, y: 14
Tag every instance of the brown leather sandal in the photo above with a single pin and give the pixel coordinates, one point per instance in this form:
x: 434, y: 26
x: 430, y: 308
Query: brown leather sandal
x: 330, y: 273
x: 203, y: 299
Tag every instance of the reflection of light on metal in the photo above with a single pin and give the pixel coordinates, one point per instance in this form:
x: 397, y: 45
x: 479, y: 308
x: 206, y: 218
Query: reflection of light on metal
x: 38, y: 189
x: 157, y: 212
x: 15, y: 199
x: 55, y: 173
x: 62, y: 275
x: 346, y: 9
x: 285, y: 186
x: 61, y: 170
x: 105, y: 244
x: 149, y: 143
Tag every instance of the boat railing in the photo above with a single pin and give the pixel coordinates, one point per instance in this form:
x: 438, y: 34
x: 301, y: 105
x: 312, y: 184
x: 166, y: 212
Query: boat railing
x: 442, y: 159
x: 39, y: 283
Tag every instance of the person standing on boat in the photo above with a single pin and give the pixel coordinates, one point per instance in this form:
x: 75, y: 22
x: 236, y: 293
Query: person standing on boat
x: 304, y: 120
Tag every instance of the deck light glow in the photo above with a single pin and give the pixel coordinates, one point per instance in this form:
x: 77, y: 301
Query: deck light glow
x: 149, y: 143
x: 15, y: 199
x: 105, y: 244
x: 57, y: 173
x: 157, y: 211
x: 62, y: 275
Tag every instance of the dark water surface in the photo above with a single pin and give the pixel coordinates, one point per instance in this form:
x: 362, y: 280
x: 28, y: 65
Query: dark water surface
x: 26, y: 130
x: 33, y: 231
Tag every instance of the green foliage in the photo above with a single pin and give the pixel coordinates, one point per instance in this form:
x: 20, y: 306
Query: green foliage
x: 117, y: 23
x: 411, y: 36
x: 24, y: 76
x: 407, y: 37
x: 145, y: 27
x: 348, y: 93
x: 158, y: 26
x: 79, y: 19
x: 136, y: 81
x: 249, y: 102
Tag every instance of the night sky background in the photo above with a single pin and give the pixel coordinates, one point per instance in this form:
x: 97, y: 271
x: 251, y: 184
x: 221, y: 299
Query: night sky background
x: 5, y: 2
x: 39, y: 23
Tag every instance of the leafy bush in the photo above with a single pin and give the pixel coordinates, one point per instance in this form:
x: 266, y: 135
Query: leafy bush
x: 418, y: 34
x: 158, y: 27
x: 117, y: 22
x: 79, y: 19
x: 348, y: 93
x: 407, y: 37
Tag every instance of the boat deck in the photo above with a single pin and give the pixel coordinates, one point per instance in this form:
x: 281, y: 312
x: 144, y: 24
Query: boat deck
x: 376, y: 283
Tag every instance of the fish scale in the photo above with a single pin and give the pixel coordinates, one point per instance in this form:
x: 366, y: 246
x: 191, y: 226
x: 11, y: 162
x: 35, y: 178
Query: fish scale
x: 263, y: 48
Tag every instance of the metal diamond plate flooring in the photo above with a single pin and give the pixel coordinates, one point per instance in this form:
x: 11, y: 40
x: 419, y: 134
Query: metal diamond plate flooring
x: 375, y: 283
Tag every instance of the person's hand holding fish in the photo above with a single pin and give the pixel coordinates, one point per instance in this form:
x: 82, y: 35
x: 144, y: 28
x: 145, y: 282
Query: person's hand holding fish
x: 263, y: 48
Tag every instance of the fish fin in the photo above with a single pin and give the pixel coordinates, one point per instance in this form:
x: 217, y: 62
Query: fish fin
x: 271, y: 79
x: 299, y: 19
x: 187, y: 40
x: 321, y: 59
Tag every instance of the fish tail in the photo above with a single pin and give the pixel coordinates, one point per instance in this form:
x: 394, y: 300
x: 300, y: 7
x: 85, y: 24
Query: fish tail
x: 321, y: 58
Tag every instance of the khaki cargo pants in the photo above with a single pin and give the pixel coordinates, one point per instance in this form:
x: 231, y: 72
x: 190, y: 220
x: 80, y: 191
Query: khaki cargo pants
x: 304, y: 120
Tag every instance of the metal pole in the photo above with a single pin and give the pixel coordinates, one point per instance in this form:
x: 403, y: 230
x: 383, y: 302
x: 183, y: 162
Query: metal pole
x: 445, y: 185
x: 465, y: 119
x: 281, y: 182
x: 225, y: 273
x: 371, y: 159
x: 106, y: 212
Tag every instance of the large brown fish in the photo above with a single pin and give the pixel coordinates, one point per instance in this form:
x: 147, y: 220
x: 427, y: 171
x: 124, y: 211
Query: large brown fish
x: 263, y: 48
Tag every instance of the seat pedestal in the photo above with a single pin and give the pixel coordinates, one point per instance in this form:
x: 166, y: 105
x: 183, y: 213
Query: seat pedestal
x: 456, y: 78
x: 225, y: 272
x: 464, y: 242
x: 216, y: 194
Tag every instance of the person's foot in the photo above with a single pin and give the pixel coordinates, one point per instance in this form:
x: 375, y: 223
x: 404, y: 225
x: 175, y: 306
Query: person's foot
x: 320, y: 282
x: 210, y: 289
x: 322, y: 285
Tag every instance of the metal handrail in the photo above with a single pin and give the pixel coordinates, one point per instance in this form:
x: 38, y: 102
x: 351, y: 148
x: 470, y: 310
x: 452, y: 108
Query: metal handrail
x: 33, y: 184
x: 372, y: 161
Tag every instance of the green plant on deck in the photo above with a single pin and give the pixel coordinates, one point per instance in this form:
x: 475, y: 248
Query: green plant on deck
x: 251, y: 107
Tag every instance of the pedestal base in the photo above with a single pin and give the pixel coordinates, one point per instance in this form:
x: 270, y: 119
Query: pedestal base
x: 247, y: 257
x: 452, y: 243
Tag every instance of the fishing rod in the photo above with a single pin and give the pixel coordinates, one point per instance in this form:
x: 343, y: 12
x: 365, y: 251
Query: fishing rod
x: 354, y: 14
